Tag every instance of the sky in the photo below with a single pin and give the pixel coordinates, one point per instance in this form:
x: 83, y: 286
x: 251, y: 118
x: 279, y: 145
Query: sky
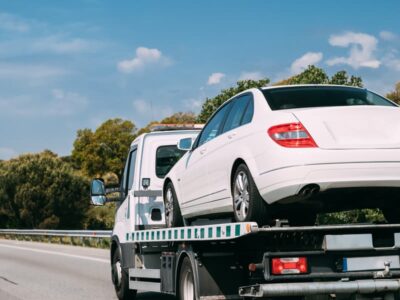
x: 69, y: 65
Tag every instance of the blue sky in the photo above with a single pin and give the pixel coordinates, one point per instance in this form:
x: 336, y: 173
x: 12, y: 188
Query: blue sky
x: 66, y: 65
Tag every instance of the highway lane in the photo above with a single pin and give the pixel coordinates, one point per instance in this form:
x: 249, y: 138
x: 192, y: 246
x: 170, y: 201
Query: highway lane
x: 30, y: 271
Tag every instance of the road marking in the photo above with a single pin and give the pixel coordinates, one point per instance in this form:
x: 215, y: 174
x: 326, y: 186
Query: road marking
x: 56, y: 253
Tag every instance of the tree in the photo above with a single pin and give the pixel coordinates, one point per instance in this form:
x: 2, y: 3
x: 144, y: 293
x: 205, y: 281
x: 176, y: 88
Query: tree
x: 315, y: 75
x: 395, y: 95
x: 211, y: 104
x: 41, y: 191
x: 180, y: 118
x: 104, y: 150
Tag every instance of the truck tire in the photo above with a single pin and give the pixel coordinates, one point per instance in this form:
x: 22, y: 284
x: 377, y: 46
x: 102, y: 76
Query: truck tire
x: 248, y: 205
x: 120, y: 278
x: 173, y: 216
x: 187, y: 286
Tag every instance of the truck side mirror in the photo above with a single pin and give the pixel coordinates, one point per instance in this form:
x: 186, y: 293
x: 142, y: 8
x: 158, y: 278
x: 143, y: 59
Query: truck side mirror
x: 98, y: 192
x: 185, y: 144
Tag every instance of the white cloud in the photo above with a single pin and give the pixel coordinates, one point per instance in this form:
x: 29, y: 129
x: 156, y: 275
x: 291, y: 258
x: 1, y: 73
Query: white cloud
x: 144, y: 57
x: 66, y: 103
x: 362, y: 48
x: 251, y: 76
x: 310, y: 58
x: 215, y: 78
x: 7, y: 153
x: 387, y: 36
x: 13, y: 23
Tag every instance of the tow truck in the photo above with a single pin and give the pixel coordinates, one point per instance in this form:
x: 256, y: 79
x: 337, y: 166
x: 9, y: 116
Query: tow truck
x: 220, y: 259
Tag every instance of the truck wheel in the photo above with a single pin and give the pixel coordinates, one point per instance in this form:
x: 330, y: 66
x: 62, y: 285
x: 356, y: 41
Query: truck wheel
x: 120, y: 279
x: 173, y: 216
x: 248, y: 205
x: 187, y: 286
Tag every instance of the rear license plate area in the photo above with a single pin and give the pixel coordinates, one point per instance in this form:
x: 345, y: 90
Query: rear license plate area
x: 370, y: 263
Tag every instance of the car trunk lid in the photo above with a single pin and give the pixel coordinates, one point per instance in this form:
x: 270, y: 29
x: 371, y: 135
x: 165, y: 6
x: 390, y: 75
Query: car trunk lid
x: 352, y: 127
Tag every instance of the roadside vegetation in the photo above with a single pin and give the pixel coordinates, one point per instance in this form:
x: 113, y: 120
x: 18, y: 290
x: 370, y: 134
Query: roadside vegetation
x: 46, y: 191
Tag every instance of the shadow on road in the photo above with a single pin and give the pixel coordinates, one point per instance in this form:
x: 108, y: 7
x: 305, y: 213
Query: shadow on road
x: 154, y: 296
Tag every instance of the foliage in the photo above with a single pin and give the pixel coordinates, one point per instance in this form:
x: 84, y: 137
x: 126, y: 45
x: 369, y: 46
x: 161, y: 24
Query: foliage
x: 41, y: 191
x: 395, y: 95
x: 211, y: 104
x: 99, y: 218
x: 315, y: 75
x: 102, y: 151
x: 352, y: 217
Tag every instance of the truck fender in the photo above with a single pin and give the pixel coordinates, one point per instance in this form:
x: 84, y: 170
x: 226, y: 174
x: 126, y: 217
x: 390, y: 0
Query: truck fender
x: 187, y: 252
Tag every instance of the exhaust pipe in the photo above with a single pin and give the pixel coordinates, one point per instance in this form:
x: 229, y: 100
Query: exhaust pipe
x: 309, y: 190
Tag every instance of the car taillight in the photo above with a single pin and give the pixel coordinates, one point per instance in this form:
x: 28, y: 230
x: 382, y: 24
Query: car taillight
x: 289, y: 265
x: 292, y: 135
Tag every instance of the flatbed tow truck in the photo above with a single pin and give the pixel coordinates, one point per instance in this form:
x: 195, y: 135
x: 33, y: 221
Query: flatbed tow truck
x: 226, y: 260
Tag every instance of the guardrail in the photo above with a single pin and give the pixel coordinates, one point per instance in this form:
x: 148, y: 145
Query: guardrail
x: 89, y: 238
x: 60, y: 233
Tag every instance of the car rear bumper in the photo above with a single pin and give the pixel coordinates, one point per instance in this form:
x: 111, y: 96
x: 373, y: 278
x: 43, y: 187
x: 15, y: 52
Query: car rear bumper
x: 278, y: 184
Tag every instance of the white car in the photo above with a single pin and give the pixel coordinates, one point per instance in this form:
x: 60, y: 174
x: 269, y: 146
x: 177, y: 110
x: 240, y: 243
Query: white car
x: 290, y: 152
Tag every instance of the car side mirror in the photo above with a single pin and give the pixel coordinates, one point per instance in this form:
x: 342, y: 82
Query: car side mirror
x: 98, y: 192
x: 185, y: 144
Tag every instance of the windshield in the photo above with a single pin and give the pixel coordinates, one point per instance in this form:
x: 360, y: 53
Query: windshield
x: 321, y: 96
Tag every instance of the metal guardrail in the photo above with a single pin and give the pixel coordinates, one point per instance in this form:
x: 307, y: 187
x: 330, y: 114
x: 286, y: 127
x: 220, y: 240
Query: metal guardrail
x: 60, y: 233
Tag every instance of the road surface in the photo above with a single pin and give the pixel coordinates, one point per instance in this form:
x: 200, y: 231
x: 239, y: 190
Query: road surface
x: 37, y: 271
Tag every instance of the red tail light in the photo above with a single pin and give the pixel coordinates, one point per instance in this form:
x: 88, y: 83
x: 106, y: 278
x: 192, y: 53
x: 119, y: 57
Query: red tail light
x: 292, y: 135
x: 289, y: 265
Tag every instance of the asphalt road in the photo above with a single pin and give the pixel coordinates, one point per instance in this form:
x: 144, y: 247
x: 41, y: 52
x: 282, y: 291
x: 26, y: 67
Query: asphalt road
x: 37, y: 271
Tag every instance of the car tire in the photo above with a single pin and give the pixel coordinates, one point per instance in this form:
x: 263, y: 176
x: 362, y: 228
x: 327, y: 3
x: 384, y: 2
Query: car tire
x: 187, y: 286
x: 248, y: 205
x: 173, y: 216
x: 120, y: 278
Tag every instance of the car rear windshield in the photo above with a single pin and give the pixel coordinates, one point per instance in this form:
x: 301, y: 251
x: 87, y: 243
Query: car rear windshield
x: 303, y: 97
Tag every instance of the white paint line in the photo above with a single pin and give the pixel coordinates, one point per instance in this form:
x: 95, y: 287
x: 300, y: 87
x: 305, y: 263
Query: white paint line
x: 56, y: 253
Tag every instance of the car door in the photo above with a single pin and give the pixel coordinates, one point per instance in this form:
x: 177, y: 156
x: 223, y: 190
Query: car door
x: 194, y: 178
x: 226, y: 150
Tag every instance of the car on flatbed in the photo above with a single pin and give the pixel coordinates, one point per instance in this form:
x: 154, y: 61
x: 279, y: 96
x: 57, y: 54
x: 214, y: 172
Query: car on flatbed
x: 290, y: 152
x: 235, y: 260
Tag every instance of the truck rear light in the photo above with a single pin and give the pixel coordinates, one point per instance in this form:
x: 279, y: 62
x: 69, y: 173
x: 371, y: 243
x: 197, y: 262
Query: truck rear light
x: 289, y: 265
x: 292, y: 135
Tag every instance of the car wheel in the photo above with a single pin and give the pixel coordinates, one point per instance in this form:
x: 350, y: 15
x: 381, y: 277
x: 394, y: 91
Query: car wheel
x: 120, y: 278
x: 248, y: 205
x: 173, y: 216
x: 186, y: 281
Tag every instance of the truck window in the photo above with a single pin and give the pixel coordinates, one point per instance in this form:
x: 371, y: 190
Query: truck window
x: 127, y: 178
x: 131, y: 171
x: 166, y: 158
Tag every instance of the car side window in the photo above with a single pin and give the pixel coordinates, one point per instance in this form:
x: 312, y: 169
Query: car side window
x: 236, y: 113
x: 213, y: 127
x: 248, y: 114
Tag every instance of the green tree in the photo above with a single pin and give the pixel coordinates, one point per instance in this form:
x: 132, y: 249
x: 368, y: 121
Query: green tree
x: 211, y: 104
x: 315, y: 75
x: 395, y: 95
x: 41, y: 191
x: 102, y: 151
